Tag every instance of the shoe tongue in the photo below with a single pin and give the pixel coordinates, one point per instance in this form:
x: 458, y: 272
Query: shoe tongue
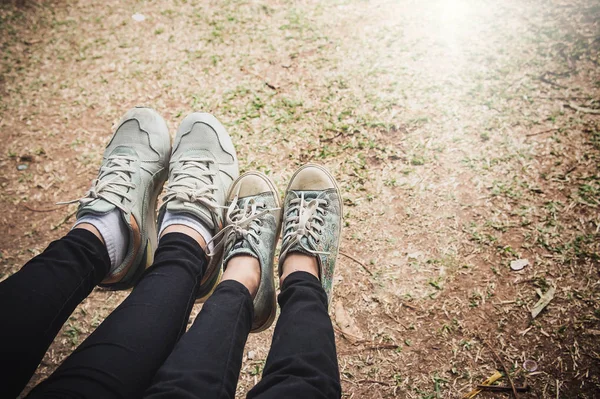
x: 299, y: 248
x: 308, y: 195
x: 241, y: 247
x: 96, y: 207
x: 198, y: 210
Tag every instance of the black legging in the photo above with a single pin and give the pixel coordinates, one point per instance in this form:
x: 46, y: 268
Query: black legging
x: 136, y: 351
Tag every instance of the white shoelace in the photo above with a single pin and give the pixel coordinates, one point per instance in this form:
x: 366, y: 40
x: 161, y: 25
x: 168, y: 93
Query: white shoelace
x: 118, y: 185
x: 308, y: 222
x: 241, y: 223
x: 187, y: 191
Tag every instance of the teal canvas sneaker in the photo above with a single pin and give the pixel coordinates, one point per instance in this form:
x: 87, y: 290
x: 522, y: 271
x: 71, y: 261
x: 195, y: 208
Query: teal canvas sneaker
x: 203, y: 165
x: 132, y: 174
x: 312, y: 220
x: 252, y: 227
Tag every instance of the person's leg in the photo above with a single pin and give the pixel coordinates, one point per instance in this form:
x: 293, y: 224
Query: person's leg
x: 302, y: 362
x: 37, y: 300
x: 109, y: 245
x: 119, y: 359
x: 207, y: 360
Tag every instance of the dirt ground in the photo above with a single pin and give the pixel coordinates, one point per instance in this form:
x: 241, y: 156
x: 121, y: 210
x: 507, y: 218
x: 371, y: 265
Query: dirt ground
x: 465, y: 135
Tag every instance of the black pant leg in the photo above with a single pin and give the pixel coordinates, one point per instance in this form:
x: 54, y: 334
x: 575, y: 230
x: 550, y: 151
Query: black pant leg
x: 302, y: 362
x: 207, y: 360
x: 120, y: 358
x: 36, y: 301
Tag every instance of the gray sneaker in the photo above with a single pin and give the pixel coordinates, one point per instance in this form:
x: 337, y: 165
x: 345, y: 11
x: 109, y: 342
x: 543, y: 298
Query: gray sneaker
x: 312, y: 211
x: 252, y: 227
x: 203, y: 166
x: 132, y: 174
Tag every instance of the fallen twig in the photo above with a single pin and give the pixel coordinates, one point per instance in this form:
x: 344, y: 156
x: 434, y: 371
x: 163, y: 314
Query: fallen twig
x: 499, y: 388
x: 374, y: 347
x: 358, y: 340
x: 495, y: 377
x: 583, y: 109
x: 38, y: 210
x: 512, y: 384
x: 269, y: 85
x: 326, y: 140
x: 587, y: 98
x: 545, y: 80
x: 542, y: 132
x: 408, y: 306
x: 357, y: 261
x: 381, y: 346
x: 373, y: 382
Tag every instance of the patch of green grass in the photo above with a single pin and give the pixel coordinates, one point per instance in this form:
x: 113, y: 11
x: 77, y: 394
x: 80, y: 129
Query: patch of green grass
x: 475, y: 298
x: 511, y: 189
x: 417, y: 160
x: 436, y: 283
x: 590, y: 192
x: 594, y: 137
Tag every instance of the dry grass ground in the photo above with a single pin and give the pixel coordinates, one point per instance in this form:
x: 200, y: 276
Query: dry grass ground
x: 465, y: 135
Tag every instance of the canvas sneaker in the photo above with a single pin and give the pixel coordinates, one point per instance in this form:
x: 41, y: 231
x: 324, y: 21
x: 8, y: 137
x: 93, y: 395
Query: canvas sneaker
x: 132, y: 174
x: 252, y: 227
x: 203, y: 165
x: 312, y: 220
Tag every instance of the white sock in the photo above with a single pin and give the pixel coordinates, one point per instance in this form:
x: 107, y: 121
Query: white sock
x: 114, y: 231
x: 190, y: 221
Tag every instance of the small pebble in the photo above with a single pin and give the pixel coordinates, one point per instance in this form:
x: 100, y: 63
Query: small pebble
x: 251, y: 355
x: 530, y: 365
x: 138, y: 17
x: 21, y: 167
x: 519, y: 264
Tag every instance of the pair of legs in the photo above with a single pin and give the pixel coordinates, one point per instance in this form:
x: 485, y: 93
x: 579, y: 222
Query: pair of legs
x: 137, y: 350
x: 142, y: 349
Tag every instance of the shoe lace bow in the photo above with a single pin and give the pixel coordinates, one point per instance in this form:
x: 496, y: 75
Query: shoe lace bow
x: 241, y: 223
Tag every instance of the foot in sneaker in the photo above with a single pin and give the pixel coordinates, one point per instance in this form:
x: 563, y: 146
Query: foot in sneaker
x: 203, y: 165
x: 121, y: 204
x: 252, y: 226
x: 312, y: 221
